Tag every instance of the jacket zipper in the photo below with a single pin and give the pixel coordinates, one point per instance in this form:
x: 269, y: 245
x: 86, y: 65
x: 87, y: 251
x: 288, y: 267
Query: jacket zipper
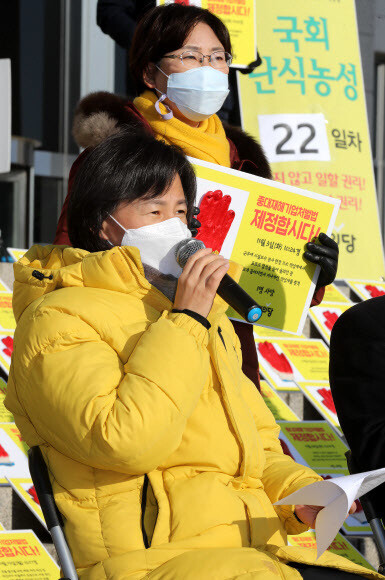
x: 221, y: 337
x: 144, y: 501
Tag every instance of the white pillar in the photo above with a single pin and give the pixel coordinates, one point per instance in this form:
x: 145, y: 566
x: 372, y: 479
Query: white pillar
x: 97, y: 54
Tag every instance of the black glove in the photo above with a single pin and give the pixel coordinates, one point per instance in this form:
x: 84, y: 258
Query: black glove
x: 325, y: 255
x: 195, y: 224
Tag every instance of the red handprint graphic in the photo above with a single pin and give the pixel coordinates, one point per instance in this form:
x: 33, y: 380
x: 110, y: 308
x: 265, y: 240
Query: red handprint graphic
x: 216, y: 219
x: 4, y: 458
x: 330, y: 319
x: 374, y: 291
x: 327, y: 399
x: 33, y: 494
x: 7, y: 342
x: 279, y: 362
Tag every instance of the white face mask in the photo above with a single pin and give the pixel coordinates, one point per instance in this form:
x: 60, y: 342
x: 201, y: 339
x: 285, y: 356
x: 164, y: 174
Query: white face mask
x: 157, y: 243
x: 198, y: 93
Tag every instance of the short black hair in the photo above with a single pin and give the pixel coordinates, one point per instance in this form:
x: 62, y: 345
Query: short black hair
x: 127, y: 166
x: 164, y: 29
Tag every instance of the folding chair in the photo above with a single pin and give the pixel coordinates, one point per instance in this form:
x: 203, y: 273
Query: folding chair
x: 52, y: 516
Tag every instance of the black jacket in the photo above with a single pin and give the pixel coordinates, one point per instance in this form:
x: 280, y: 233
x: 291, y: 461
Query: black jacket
x: 357, y: 380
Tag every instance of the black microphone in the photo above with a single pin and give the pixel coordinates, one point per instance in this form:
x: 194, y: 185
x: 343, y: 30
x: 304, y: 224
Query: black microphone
x: 228, y: 289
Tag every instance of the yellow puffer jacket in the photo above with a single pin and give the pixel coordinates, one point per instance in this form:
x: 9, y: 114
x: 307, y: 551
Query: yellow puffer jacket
x: 152, y: 434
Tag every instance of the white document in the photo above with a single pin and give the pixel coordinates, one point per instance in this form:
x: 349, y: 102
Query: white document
x: 336, y: 495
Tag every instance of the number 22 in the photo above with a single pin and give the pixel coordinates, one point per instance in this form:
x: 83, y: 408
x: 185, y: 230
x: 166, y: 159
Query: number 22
x: 289, y: 133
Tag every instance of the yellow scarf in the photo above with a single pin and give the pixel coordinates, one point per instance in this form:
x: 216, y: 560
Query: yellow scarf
x: 207, y: 142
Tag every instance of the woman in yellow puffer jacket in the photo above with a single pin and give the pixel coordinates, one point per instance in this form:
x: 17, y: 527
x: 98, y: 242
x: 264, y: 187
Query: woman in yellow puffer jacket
x: 164, y: 459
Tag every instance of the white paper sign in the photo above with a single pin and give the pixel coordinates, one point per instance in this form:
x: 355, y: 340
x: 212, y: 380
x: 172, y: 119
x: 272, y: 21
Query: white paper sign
x: 294, y: 137
x: 5, y: 115
x: 336, y: 495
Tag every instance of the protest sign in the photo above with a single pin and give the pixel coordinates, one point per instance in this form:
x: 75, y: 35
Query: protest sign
x: 325, y: 316
x: 320, y: 396
x: 13, y: 453
x: 283, y: 362
x: 366, y: 289
x: 264, y: 226
x: 277, y: 406
x: 264, y: 332
x: 16, y: 253
x: 335, y: 295
x: 340, y: 546
x: 26, y: 491
x: 240, y: 19
x: 5, y: 415
x: 4, y: 287
x: 22, y: 556
x: 7, y: 319
x: 306, y: 105
x: 6, y: 349
x: 313, y: 443
x: 5, y: 115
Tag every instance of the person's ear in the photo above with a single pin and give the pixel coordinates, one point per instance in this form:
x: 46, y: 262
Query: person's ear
x: 149, y: 75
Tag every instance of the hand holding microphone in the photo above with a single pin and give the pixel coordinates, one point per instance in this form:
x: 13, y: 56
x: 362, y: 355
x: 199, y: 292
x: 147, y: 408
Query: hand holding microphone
x: 204, y: 275
x: 199, y: 281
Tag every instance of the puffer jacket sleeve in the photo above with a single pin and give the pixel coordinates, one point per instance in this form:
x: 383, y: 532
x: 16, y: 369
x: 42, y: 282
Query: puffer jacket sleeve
x: 281, y: 475
x: 126, y: 416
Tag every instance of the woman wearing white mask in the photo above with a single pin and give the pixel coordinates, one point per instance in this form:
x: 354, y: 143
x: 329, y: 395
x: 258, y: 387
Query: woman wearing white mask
x: 164, y: 459
x: 180, y: 59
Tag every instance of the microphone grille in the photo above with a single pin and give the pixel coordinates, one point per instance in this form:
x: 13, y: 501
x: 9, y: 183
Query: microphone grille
x: 187, y: 248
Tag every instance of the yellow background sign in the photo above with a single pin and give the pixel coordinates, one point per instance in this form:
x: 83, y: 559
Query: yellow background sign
x: 334, y: 294
x: 366, y: 289
x: 22, y: 556
x: 271, y: 224
x: 340, y: 546
x: 277, y: 406
x: 326, y: 315
x: 285, y: 362
x: 239, y: 17
x: 306, y: 104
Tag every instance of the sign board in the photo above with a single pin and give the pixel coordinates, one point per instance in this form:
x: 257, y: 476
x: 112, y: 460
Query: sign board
x: 264, y: 226
x: 326, y: 315
x: 240, y: 19
x: 340, y: 546
x: 366, y: 289
x: 22, y: 556
x: 320, y: 396
x: 277, y: 406
x: 306, y: 105
x: 13, y: 453
x: 284, y: 362
x: 315, y: 444
x: 25, y: 489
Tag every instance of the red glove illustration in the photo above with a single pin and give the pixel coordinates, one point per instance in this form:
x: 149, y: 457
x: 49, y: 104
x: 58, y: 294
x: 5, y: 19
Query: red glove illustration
x: 216, y: 219
x: 330, y: 319
x: 327, y: 399
x: 374, y: 291
x: 279, y: 362
x: 285, y: 448
x: 33, y: 494
x: 8, y: 343
x: 4, y: 458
